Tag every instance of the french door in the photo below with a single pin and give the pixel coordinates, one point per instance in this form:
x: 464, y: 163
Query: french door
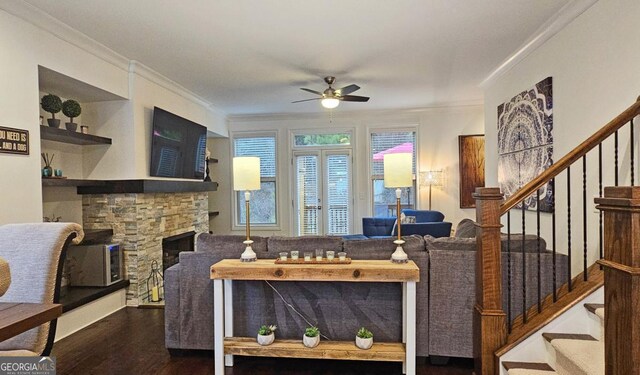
x: 322, y: 196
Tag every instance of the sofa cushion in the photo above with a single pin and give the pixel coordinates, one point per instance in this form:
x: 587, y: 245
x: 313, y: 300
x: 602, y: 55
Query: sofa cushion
x: 530, y: 243
x: 466, y: 229
x: 381, y: 248
x: 469, y: 244
x: 277, y: 244
x: 377, y: 226
x: 450, y: 243
x: 229, y: 246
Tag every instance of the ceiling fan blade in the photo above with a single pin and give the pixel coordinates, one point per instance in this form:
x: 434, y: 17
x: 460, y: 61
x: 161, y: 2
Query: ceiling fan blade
x: 347, y: 90
x: 305, y: 100
x: 311, y: 91
x: 354, y: 98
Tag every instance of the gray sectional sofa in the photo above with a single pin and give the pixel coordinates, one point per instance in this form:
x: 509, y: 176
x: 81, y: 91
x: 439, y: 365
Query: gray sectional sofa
x: 445, y: 293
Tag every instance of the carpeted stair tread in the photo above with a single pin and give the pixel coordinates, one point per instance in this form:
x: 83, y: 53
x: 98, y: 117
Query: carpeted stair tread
x: 527, y: 368
x: 579, y: 357
x: 592, y: 307
x: 567, y: 336
x: 526, y: 371
x: 509, y: 365
x: 600, y: 313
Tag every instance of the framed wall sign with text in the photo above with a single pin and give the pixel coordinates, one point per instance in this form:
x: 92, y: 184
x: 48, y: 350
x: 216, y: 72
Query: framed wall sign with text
x: 14, y: 141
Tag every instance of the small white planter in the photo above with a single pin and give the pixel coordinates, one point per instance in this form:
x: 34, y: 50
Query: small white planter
x: 310, y: 342
x: 364, y: 343
x: 265, y: 340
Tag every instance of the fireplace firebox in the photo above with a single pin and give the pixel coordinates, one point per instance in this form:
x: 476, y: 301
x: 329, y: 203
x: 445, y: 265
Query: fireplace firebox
x: 172, y: 246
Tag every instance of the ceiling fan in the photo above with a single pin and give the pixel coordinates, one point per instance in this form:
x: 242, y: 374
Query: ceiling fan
x: 330, y: 98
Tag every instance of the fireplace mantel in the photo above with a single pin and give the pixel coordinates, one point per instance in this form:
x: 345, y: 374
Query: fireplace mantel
x: 148, y: 186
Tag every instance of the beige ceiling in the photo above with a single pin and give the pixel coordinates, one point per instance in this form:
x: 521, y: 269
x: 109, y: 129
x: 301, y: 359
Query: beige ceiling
x: 252, y: 56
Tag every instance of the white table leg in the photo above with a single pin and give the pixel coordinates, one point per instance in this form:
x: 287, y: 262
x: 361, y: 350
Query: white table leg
x: 228, y: 317
x: 218, y: 327
x: 411, y: 328
x: 404, y: 322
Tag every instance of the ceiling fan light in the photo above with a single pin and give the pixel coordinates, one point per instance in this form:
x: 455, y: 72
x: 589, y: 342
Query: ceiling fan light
x: 330, y: 103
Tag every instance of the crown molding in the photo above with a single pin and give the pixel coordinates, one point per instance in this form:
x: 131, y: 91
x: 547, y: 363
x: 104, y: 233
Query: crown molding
x: 138, y: 68
x: 550, y: 28
x: 358, y: 114
x: 62, y: 31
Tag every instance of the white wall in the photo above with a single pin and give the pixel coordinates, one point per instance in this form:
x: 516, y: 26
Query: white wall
x: 594, y: 65
x: 148, y: 92
x: 24, y: 47
x: 438, y: 130
x: 27, y: 44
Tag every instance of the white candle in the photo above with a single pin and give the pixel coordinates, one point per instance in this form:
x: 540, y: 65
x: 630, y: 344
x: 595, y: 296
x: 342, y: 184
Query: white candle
x: 155, y: 295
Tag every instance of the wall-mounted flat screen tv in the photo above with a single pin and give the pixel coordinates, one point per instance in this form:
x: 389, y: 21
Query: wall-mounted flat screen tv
x: 178, y: 146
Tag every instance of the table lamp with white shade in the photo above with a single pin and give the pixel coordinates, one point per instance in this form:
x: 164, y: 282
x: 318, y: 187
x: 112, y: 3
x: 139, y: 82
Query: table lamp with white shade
x: 246, y: 177
x: 398, y: 173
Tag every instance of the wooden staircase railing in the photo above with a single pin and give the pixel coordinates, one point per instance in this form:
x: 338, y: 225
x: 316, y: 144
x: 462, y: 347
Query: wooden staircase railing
x: 495, y: 330
x: 621, y: 263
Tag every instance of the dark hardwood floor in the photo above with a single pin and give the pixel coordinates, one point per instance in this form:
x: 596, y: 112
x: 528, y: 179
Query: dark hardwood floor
x: 131, y: 341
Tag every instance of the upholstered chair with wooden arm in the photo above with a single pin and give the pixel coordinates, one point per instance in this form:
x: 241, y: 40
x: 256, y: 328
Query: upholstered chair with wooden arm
x: 5, y: 276
x: 36, y: 253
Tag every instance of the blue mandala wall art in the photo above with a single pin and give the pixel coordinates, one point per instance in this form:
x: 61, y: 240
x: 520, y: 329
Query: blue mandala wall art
x: 525, y: 143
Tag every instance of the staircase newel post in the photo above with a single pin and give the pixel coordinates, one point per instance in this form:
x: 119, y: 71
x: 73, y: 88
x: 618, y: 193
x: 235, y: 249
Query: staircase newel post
x: 621, y: 263
x: 489, y: 320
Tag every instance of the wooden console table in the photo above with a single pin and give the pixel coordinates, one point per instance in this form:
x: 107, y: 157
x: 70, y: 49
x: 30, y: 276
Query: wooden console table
x: 225, y: 345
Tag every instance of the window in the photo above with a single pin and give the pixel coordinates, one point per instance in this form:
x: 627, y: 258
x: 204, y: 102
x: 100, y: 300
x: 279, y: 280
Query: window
x: 329, y: 139
x: 389, y: 142
x: 263, y: 201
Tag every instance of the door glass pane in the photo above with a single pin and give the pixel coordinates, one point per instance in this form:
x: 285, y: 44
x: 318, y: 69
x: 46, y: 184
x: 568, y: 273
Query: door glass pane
x: 307, y: 194
x: 338, y: 194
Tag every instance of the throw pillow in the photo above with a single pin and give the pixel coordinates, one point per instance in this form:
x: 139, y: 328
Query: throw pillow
x: 466, y: 229
x: 408, y: 219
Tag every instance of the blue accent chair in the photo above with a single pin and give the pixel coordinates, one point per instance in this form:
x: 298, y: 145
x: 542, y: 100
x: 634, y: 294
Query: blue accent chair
x: 427, y: 222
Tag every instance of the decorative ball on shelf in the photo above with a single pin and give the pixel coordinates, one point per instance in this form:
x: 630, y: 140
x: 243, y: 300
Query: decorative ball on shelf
x: 53, y: 104
x: 71, y: 109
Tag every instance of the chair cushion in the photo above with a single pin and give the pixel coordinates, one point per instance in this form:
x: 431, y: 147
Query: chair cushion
x: 466, y: 229
x: 377, y: 226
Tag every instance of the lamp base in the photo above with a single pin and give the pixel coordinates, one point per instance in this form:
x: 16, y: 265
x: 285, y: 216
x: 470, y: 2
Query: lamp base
x: 399, y: 256
x: 248, y: 255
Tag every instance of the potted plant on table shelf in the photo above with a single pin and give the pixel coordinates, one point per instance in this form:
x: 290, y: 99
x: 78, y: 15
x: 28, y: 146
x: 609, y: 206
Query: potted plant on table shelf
x: 71, y: 109
x: 311, y: 337
x: 52, y: 104
x: 266, y: 335
x: 364, y: 339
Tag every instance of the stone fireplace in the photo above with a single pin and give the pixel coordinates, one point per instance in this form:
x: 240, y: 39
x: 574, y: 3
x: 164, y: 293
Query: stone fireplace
x: 140, y: 222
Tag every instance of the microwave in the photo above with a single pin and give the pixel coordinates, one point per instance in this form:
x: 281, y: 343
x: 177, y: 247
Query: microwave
x: 95, y: 265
